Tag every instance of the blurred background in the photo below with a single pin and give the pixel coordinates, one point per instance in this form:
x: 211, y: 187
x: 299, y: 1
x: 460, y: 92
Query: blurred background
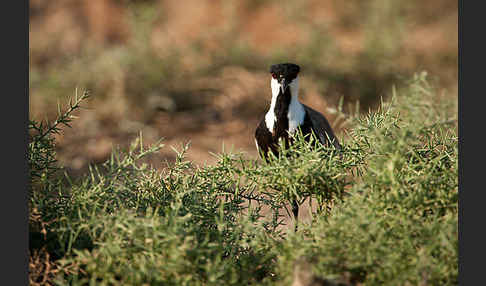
x: 197, y: 70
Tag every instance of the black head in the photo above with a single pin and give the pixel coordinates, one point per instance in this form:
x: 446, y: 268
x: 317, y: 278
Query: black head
x: 288, y: 71
x: 284, y: 73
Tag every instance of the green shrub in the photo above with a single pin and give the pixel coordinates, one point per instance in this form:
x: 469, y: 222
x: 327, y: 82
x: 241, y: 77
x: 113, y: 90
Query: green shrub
x: 399, y: 225
x: 387, y: 208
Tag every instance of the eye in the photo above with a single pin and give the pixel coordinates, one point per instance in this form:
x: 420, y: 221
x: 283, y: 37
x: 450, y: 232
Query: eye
x: 274, y: 75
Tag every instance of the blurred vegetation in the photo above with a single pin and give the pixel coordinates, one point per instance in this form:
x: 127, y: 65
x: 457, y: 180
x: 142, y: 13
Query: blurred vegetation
x: 198, y: 69
x: 134, y: 58
x: 385, y: 211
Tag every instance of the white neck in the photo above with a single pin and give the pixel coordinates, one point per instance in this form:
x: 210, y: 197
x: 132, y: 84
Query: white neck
x: 296, y: 111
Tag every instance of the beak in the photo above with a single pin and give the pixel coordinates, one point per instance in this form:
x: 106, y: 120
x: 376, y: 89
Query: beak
x: 283, y: 85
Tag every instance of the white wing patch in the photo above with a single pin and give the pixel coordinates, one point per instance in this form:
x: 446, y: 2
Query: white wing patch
x: 270, y: 120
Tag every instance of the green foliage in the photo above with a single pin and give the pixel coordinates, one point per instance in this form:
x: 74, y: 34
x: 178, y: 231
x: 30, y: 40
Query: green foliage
x: 41, y: 153
x: 305, y: 170
x: 387, y: 209
x: 399, y: 225
x: 129, y: 224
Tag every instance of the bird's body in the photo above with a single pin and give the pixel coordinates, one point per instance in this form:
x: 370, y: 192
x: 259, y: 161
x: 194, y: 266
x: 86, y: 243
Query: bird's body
x: 287, y: 114
x: 267, y: 137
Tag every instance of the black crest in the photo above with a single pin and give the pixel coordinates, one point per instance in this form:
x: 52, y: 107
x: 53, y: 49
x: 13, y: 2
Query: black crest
x: 288, y: 71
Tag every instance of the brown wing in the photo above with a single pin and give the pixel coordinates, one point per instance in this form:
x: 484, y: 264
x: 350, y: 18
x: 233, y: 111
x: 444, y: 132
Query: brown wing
x: 321, y: 127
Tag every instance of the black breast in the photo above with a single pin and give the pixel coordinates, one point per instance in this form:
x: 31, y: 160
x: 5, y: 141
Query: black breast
x: 313, y: 121
x: 264, y: 139
x: 268, y: 141
x: 281, y: 126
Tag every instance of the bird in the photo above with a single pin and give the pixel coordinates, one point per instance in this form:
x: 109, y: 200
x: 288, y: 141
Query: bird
x: 287, y: 114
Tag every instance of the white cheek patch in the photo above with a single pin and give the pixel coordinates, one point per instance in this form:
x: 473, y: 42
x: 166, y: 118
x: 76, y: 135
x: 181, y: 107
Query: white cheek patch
x: 294, y: 87
x: 296, y: 111
x: 275, y: 85
x: 270, y: 117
